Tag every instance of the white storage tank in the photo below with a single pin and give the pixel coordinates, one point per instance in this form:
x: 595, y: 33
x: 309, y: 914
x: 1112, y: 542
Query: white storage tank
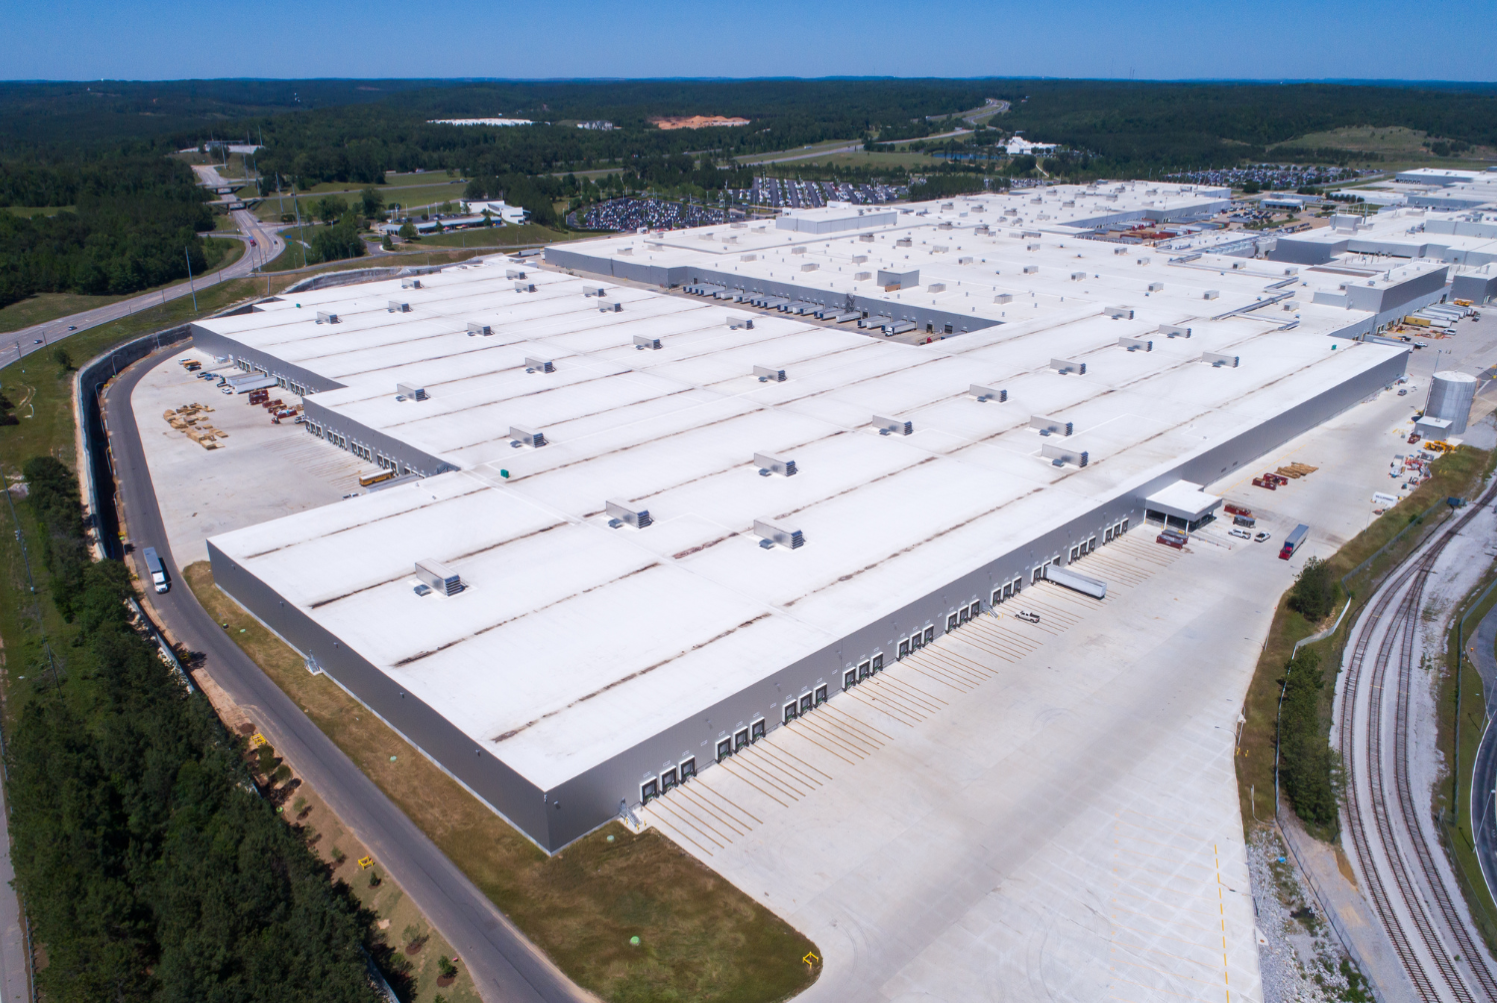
x: 1450, y: 397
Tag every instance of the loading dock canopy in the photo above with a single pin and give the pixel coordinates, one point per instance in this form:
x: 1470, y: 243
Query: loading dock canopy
x: 1181, y: 502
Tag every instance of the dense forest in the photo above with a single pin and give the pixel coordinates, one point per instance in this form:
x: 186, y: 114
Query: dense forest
x: 133, y: 224
x: 150, y: 866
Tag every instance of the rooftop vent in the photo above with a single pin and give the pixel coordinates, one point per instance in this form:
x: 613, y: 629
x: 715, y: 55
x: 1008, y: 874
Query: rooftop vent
x: 1066, y: 366
x: 624, y: 514
x: 398, y: 306
x: 767, y: 375
x: 1136, y: 344
x: 534, y: 365
x: 1051, y: 426
x: 1171, y: 331
x: 323, y: 317
x: 771, y: 536
x: 514, y: 273
x: 475, y: 328
x: 439, y: 577
x: 1218, y: 360
x: 1118, y: 312
x: 526, y: 437
x: 892, y: 426
x: 985, y: 394
x: 1060, y: 455
x: 410, y: 283
x: 410, y: 392
x: 642, y: 342
x: 774, y: 465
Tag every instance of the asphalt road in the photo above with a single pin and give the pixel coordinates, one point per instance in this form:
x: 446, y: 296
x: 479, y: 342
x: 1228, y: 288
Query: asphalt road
x: 1484, y: 777
x: 38, y: 337
x: 505, y: 966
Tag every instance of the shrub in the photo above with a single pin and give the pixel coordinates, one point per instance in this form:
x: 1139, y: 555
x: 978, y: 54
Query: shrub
x: 1314, y: 592
x: 1306, y: 763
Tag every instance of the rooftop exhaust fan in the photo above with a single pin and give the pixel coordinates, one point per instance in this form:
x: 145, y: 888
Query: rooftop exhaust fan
x: 439, y: 578
x: 892, y: 426
x: 774, y: 465
x: 985, y: 394
x: 520, y: 436
x: 623, y: 514
x: 771, y: 536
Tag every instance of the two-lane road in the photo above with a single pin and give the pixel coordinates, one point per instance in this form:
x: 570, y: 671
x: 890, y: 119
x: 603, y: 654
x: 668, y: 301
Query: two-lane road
x: 505, y: 966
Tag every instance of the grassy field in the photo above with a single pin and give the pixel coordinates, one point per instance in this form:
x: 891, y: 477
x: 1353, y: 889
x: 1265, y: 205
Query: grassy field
x: 413, y: 197
x: 1457, y: 473
x: 701, y: 939
x: 1472, y: 717
x: 1399, y: 148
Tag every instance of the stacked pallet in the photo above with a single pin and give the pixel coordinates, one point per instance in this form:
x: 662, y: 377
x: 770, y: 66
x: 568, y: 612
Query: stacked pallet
x: 1296, y: 470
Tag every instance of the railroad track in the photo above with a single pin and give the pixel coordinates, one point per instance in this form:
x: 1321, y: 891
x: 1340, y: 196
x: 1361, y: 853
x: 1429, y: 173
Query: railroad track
x: 1427, y: 917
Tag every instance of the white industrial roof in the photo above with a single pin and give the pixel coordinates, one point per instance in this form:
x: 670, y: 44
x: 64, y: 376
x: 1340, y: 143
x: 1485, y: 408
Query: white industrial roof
x: 576, y: 641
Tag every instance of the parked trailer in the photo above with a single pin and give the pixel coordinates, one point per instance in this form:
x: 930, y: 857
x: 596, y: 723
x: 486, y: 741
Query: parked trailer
x: 1293, y: 540
x: 892, y: 329
x: 1085, y: 584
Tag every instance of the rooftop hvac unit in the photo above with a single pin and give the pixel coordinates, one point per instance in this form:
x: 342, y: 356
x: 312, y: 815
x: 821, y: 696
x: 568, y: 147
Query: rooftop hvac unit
x: 410, y: 283
x: 904, y: 242
x: 809, y: 266
x: 1217, y: 360
x: 1051, y: 426
x: 1154, y: 287
x: 748, y: 257
x: 1031, y: 269
x: 623, y: 514
x: 984, y: 394
x: 939, y: 249
x: 534, y: 365
x: 774, y: 465
x: 1291, y: 270
x: 475, y: 328
x: 943, y: 226
x: 398, y: 306
x: 936, y: 287
x: 862, y: 276
x: 1237, y: 266
x: 964, y: 260
x: 1003, y: 298
x: 1120, y: 250
x: 866, y: 238
x: 1135, y: 344
x: 527, y: 436
x: 1060, y: 455
x: 642, y: 342
x: 1211, y: 294
x: 524, y: 287
x: 767, y: 375
x: 771, y: 536
x: 608, y: 306
x: 734, y: 323
x: 859, y: 259
x: 1067, y: 366
x: 323, y: 317
x: 410, y: 392
x: 514, y: 273
x: 1171, y: 331
x: 898, y: 280
x: 1118, y: 312
x: 439, y: 578
x: 983, y: 230
x: 1077, y: 276
x: 892, y: 426
x: 593, y: 290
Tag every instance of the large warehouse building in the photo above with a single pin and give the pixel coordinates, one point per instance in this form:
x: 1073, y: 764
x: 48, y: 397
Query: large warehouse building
x: 635, y: 528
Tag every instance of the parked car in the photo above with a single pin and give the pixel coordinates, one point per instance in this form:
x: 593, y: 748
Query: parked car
x: 1403, y: 392
x: 1262, y: 537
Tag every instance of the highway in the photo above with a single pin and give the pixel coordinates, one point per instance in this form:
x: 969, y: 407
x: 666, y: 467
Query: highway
x: 505, y: 966
x: 264, y: 245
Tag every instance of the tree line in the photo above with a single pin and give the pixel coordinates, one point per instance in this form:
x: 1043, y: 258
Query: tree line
x: 150, y: 865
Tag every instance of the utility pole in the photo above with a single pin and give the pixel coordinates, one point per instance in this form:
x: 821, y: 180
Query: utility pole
x: 188, y: 256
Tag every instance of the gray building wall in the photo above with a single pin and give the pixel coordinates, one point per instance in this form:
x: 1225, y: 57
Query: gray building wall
x: 332, y: 426
x: 218, y: 345
x: 555, y: 817
x: 1476, y: 288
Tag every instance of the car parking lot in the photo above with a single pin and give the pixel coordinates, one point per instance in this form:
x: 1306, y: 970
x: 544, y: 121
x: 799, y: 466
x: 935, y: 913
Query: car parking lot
x: 650, y: 213
x: 781, y: 193
x: 1275, y: 177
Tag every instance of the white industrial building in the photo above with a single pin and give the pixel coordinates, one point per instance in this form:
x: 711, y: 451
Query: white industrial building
x: 655, y: 524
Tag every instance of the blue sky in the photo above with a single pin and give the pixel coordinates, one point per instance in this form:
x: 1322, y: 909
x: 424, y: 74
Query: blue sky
x: 1185, y: 39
